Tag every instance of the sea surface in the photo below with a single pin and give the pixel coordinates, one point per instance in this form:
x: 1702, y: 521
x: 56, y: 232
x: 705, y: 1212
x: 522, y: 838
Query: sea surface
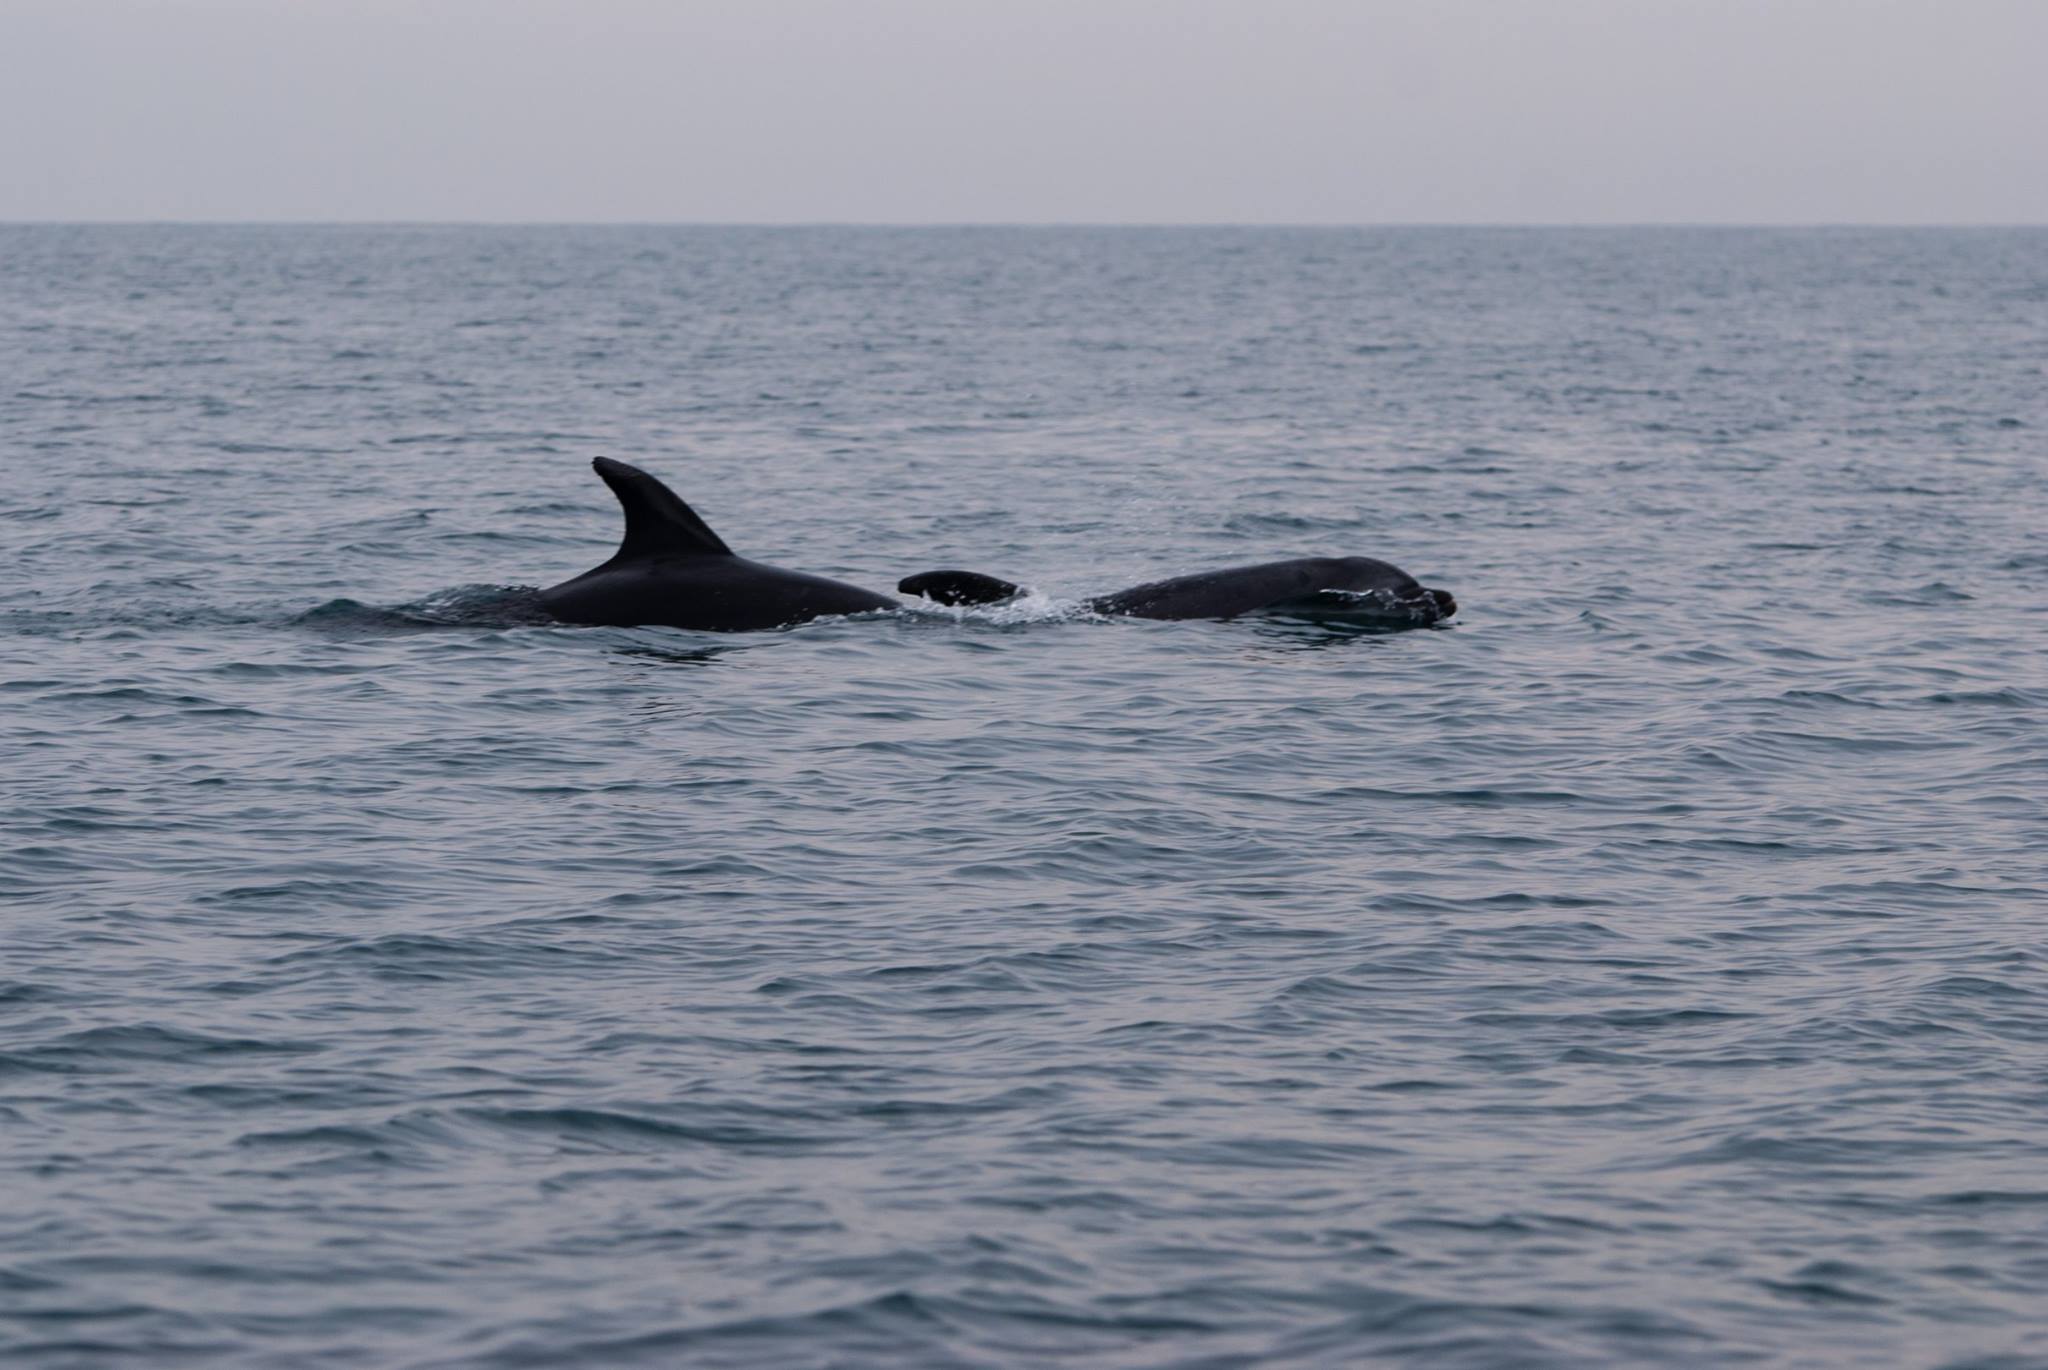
x: 1649, y: 966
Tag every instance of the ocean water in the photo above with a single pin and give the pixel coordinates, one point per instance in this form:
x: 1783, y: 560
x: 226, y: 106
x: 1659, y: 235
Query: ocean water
x: 1646, y: 967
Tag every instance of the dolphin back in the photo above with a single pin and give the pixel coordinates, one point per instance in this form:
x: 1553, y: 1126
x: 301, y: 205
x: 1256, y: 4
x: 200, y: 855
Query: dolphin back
x: 672, y: 571
x: 958, y: 587
x: 1336, y: 587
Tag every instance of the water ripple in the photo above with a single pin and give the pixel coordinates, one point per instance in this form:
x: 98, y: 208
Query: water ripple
x: 1640, y: 969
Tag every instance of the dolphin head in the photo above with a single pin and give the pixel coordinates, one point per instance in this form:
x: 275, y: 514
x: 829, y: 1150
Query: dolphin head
x: 1365, y: 575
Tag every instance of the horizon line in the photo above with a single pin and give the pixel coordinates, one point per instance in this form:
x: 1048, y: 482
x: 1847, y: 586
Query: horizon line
x: 310, y: 222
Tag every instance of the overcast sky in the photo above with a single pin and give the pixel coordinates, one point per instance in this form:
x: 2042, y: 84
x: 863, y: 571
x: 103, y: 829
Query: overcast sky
x: 1118, y: 111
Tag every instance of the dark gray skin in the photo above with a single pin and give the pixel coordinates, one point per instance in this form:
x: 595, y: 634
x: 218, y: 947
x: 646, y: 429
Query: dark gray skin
x: 672, y: 571
x: 1310, y: 585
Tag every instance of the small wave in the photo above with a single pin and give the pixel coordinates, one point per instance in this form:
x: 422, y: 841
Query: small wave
x: 1285, y: 525
x: 1365, y: 608
x: 623, y: 1129
x: 465, y: 606
x: 1033, y: 606
x: 101, y: 1046
x: 420, y: 957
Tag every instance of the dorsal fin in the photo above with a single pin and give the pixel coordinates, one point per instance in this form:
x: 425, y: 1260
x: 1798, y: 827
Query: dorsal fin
x: 658, y: 523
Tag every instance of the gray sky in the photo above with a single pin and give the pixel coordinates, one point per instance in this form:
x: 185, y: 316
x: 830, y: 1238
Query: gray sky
x: 912, y: 111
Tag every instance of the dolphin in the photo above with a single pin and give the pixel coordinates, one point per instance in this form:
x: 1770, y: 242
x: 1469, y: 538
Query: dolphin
x: 1351, y: 587
x: 673, y: 571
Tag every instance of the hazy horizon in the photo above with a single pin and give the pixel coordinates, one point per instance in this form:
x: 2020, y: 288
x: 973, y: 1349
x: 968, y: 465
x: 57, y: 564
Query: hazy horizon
x: 1109, y: 112
x: 1331, y: 225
